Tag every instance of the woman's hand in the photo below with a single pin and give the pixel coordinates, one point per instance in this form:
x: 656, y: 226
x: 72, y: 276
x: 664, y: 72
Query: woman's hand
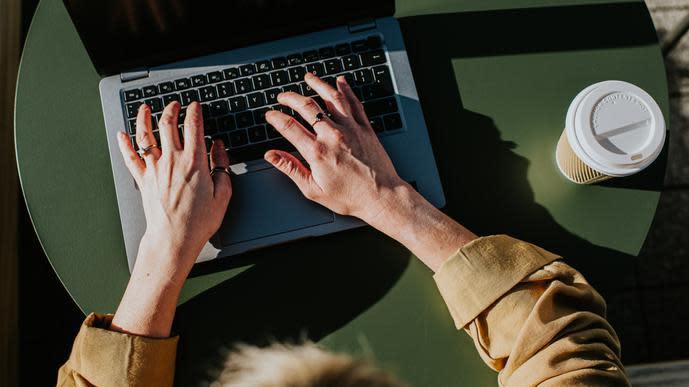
x: 184, y: 206
x: 350, y: 172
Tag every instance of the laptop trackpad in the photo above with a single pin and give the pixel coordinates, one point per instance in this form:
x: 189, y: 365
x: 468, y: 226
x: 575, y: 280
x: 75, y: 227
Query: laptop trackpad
x: 266, y: 203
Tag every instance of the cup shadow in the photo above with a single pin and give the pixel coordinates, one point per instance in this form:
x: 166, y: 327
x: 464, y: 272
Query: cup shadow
x: 310, y: 288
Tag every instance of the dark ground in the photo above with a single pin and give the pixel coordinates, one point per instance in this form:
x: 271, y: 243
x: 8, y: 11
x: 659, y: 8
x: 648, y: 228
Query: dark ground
x: 650, y: 319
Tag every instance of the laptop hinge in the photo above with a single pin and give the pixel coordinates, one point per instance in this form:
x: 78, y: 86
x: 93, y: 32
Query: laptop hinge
x: 362, y: 26
x: 133, y: 75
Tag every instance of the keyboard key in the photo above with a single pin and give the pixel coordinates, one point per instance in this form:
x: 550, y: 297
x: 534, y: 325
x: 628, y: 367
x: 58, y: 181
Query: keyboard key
x: 349, y: 77
x: 351, y: 62
x: 166, y: 87
x: 382, y: 74
x: 132, y: 126
x: 380, y: 106
x: 208, y: 140
x: 296, y: 74
x: 311, y: 56
x: 272, y: 96
x: 225, y: 89
x: 150, y: 91
x: 167, y: 99
x: 244, y: 119
x: 261, y: 81
x: 377, y: 124
x: 359, y: 46
x: 226, y: 123
x: 257, y: 133
x: 255, y: 100
x: 182, y: 115
x: 295, y: 59
x: 243, y: 85
x: 238, y: 138
x: 189, y: 96
x: 263, y: 66
x: 237, y: 104
x: 392, y: 122
x: 210, y: 126
x: 215, y: 77
x: 231, y: 73
x: 260, y: 115
x: 320, y: 102
x: 316, y: 69
x: 248, y: 69
x: 373, y: 58
x: 156, y: 104
x: 333, y: 66
x: 306, y: 90
x: 279, y: 78
x: 256, y: 151
x: 343, y: 49
x: 183, y: 83
x: 293, y: 88
x: 279, y: 63
x: 374, y: 91
x: 207, y: 93
x: 373, y: 42
x: 198, y: 80
x: 219, y: 108
x: 284, y: 109
x: 272, y: 132
x: 331, y: 81
x: 363, y: 77
x: 326, y: 52
x: 205, y: 110
x: 133, y: 109
x: 132, y: 95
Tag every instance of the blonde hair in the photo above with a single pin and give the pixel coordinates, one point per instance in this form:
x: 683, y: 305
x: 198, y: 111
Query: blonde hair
x: 305, y: 365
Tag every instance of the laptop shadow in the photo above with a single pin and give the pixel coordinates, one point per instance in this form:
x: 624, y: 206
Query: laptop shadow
x: 310, y: 288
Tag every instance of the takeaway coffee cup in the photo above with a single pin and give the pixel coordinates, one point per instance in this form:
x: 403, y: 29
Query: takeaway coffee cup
x: 612, y: 129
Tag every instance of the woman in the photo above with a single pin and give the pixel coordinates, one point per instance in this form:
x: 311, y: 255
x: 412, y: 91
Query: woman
x: 532, y: 317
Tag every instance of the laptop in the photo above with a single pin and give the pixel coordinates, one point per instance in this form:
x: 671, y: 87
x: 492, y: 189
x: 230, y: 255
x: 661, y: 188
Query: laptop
x: 234, y: 57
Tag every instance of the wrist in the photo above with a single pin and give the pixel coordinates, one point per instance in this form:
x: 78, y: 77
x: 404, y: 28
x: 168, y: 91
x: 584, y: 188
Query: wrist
x: 396, y: 204
x: 164, y: 262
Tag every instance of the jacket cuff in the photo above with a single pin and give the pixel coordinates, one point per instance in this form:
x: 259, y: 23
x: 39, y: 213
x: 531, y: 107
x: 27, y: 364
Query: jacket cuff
x: 483, y: 271
x: 106, y: 358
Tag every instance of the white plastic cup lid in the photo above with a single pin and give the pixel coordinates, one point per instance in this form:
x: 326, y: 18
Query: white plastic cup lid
x: 615, y: 127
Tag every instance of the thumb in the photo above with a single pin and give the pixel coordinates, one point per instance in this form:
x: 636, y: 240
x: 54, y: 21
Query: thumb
x: 293, y: 168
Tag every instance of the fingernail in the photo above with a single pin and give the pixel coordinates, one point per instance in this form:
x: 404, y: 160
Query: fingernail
x: 272, y: 158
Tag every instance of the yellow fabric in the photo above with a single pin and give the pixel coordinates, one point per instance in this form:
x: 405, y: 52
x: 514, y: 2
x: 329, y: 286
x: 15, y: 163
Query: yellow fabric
x: 101, y: 357
x: 532, y: 317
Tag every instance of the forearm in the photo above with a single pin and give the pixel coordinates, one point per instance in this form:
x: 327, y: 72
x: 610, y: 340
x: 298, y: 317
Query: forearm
x: 426, y: 231
x: 149, y: 302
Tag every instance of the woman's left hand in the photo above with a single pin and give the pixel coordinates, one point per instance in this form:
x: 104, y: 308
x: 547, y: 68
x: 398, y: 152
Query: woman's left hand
x: 184, y: 206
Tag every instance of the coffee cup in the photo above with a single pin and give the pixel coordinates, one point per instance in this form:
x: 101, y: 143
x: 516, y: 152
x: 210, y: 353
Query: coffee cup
x: 612, y: 129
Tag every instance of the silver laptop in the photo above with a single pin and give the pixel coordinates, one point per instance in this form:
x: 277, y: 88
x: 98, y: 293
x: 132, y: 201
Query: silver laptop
x: 234, y: 57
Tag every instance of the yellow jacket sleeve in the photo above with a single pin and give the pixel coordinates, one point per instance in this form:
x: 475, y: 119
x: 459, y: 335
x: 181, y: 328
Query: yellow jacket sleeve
x: 101, y: 357
x: 532, y: 317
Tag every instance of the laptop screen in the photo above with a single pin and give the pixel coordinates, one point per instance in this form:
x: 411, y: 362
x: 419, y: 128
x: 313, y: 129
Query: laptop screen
x: 121, y: 35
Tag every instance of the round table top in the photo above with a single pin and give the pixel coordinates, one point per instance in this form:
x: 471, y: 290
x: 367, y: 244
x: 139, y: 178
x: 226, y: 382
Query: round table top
x: 495, y: 81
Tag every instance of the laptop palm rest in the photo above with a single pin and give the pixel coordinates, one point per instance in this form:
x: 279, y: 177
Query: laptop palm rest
x: 265, y: 203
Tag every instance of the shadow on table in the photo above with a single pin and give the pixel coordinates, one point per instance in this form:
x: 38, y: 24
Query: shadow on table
x: 312, y: 288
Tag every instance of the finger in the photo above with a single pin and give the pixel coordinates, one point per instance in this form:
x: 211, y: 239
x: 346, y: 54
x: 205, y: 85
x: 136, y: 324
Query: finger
x: 132, y: 160
x: 357, y: 108
x: 292, y: 130
x: 144, y: 133
x: 295, y: 170
x: 307, y: 108
x: 193, y: 130
x: 221, y: 181
x: 336, y: 101
x: 167, y: 126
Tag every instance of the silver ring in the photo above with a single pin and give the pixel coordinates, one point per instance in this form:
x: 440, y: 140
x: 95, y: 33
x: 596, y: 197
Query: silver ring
x: 144, y: 151
x: 320, y: 117
x: 225, y: 170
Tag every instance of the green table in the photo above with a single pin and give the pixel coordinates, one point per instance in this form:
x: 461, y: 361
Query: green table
x: 495, y: 79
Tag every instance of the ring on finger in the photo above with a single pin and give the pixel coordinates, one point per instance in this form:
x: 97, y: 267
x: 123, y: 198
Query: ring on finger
x: 144, y: 150
x: 225, y: 170
x: 320, y: 117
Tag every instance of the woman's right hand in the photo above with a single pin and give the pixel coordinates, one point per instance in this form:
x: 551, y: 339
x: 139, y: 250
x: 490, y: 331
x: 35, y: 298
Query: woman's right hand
x: 349, y: 171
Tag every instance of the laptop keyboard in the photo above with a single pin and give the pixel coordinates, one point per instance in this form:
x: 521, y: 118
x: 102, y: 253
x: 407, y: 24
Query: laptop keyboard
x: 235, y: 100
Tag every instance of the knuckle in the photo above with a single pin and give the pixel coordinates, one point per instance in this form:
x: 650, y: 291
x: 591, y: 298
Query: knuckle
x: 166, y: 121
x: 336, y: 95
x: 310, y: 104
x: 289, y: 124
